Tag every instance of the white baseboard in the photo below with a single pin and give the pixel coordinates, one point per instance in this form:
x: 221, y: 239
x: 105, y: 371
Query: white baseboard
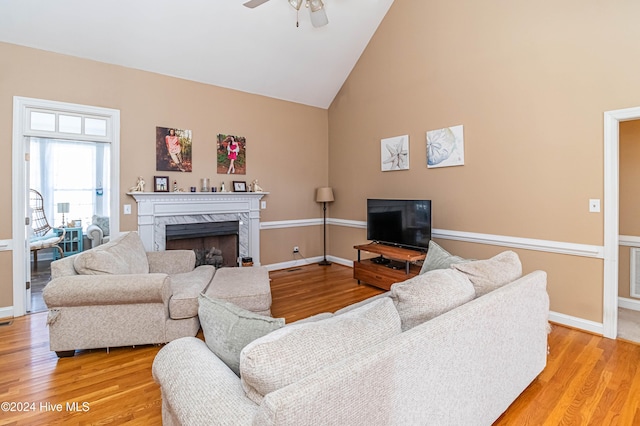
x: 308, y: 261
x: 293, y: 263
x: 575, y: 322
x: 633, y: 304
x: 6, y: 312
x: 340, y: 261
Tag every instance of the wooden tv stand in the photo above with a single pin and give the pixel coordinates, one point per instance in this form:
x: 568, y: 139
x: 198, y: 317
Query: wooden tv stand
x: 398, y: 265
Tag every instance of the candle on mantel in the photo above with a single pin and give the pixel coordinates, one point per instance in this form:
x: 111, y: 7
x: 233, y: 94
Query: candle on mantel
x: 205, y: 185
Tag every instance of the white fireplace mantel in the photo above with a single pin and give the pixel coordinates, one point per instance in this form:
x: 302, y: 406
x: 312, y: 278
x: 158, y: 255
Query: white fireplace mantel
x: 158, y: 209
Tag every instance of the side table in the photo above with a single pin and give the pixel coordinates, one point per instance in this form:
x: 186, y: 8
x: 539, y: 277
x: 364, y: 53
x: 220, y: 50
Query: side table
x: 72, y: 242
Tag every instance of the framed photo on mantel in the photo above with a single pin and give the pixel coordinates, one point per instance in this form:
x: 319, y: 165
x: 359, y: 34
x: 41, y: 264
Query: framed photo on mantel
x: 161, y: 184
x: 239, y: 186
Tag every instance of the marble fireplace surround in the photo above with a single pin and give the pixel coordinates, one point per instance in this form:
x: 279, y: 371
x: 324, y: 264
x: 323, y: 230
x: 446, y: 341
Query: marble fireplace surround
x: 156, y: 210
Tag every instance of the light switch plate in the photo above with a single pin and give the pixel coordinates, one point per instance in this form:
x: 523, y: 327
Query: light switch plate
x: 594, y: 205
x: 127, y: 208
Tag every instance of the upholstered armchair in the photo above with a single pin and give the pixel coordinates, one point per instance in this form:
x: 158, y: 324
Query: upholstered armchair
x: 98, y: 231
x: 119, y: 295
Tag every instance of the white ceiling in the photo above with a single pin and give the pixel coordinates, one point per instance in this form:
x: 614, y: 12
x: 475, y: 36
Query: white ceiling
x: 218, y: 42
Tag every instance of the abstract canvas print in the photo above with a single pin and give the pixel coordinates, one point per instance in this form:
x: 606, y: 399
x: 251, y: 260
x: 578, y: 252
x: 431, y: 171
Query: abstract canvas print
x: 173, y: 149
x: 394, y: 153
x: 445, y: 147
x: 232, y: 154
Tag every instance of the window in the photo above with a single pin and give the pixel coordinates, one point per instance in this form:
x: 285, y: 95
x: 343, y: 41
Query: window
x: 46, y: 123
x: 74, y: 172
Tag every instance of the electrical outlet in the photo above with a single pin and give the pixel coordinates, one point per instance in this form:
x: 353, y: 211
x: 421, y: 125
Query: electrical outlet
x: 296, y: 249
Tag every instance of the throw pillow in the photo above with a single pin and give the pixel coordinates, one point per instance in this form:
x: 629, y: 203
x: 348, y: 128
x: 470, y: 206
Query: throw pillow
x: 439, y: 258
x: 433, y: 293
x: 299, y: 350
x: 488, y: 275
x: 124, y: 255
x: 228, y: 328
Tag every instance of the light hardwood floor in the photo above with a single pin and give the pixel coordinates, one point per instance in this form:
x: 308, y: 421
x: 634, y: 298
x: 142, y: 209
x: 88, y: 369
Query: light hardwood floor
x: 588, y: 379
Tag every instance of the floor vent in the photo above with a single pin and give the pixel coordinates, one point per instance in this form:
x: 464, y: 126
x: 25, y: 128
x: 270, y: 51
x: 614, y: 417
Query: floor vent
x: 635, y: 272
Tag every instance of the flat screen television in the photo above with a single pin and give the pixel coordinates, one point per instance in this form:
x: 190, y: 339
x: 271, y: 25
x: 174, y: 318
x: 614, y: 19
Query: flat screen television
x: 402, y: 223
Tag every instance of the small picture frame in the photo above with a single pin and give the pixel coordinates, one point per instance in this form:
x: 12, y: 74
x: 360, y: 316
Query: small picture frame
x: 239, y: 186
x: 161, y: 184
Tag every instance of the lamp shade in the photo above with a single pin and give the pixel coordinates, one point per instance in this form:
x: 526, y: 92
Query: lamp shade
x: 324, y: 195
x: 63, y: 207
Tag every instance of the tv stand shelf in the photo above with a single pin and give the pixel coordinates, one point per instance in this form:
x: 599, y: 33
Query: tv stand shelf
x: 381, y: 273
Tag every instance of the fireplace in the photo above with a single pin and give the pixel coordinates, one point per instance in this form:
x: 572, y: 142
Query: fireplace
x: 158, y: 212
x: 215, y: 243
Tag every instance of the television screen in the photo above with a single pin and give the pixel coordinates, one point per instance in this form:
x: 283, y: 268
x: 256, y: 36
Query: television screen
x: 404, y: 223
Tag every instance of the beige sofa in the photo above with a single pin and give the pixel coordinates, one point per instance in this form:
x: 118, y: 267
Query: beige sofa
x: 119, y: 295
x: 461, y: 367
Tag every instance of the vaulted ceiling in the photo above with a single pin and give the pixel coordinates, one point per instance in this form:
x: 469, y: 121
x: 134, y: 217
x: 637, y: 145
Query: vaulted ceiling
x: 218, y: 42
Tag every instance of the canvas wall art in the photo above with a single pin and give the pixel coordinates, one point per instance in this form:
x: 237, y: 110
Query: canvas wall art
x: 173, y: 149
x: 394, y: 153
x: 445, y: 147
x: 232, y: 154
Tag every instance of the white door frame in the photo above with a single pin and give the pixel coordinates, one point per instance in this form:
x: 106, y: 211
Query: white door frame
x: 612, y: 121
x: 19, y: 201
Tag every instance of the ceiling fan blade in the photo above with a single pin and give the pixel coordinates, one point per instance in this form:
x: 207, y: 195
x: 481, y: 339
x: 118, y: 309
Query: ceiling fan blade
x: 254, y: 3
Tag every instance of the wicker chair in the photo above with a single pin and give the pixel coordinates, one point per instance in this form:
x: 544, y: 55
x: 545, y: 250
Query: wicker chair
x: 42, y: 237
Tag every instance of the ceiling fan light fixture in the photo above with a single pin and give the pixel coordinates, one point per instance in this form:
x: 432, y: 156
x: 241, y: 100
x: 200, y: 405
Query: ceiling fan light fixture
x: 315, y: 5
x: 317, y: 12
x: 319, y: 18
x: 296, y: 4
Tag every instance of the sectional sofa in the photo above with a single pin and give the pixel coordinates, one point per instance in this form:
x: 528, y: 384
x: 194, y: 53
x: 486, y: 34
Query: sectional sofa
x: 454, y: 346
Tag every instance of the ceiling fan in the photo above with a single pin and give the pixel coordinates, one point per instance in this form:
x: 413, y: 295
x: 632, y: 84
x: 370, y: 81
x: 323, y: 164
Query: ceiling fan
x: 316, y: 9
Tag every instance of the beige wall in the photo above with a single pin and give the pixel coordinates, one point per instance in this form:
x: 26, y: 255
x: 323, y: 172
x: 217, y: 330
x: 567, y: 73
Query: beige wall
x: 529, y: 82
x: 277, y: 244
x: 286, y: 142
x: 629, y: 197
x: 6, y: 293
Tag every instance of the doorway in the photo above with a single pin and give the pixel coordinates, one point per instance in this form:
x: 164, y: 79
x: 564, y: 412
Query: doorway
x: 69, y: 183
x: 612, y: 121
x: 629, y: 261
x: 37, y: 118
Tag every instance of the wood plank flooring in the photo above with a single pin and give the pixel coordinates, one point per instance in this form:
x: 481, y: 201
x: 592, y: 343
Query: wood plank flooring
x: 588, y: 380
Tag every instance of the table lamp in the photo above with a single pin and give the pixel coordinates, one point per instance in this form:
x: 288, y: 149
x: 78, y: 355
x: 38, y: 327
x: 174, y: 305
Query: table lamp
x: 63, y: 208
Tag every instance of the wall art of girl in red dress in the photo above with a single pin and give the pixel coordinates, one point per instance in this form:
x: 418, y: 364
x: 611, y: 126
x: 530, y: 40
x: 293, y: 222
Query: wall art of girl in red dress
x: 231, y: 154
